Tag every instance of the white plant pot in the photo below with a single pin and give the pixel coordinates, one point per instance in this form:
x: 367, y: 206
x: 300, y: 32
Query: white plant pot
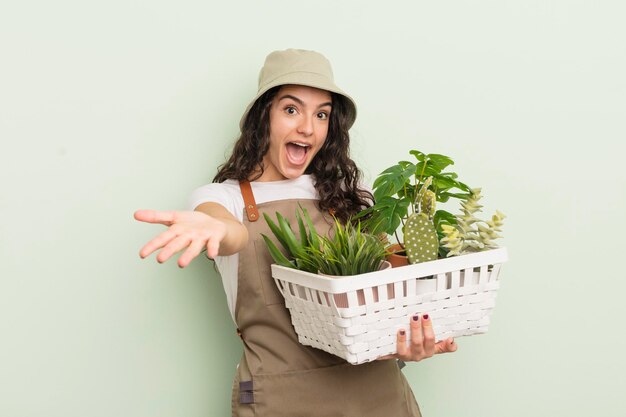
x: 361, y: 324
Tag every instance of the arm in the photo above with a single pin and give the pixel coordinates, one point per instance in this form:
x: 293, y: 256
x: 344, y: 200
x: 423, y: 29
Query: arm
x: 210, y: 226
x: 237, y: 235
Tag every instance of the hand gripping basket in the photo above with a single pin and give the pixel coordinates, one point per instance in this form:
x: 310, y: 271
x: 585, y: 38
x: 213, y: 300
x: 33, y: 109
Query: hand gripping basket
x: 357, y: 317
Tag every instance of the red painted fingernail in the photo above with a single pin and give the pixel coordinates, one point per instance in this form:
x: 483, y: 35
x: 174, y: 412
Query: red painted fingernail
x: 425, y: 316
x: 402, y: 332
x: 416, y: 317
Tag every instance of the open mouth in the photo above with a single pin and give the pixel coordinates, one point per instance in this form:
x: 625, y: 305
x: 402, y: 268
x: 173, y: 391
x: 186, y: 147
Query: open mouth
x: 296, y: 152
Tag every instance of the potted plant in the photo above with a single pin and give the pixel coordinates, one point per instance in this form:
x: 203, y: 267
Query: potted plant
x: 348, y: 251
x: 405, y: 199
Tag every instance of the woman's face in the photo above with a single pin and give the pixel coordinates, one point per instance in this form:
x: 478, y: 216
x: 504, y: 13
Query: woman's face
x: 299, y: 118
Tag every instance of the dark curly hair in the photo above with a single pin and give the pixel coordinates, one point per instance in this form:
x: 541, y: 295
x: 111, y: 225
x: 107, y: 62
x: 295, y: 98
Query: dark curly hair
x: 337, y: 177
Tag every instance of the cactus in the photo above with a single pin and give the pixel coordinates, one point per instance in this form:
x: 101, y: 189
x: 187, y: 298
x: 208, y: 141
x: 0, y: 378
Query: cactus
x: 470, y: 236
x: 427, y: 203
x: 421, y: 242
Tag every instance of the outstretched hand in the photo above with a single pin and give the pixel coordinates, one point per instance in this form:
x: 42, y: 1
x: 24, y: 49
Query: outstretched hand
x: 422, y: 344
x: 191, y: 231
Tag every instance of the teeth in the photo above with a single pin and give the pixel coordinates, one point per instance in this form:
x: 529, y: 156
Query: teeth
x: 304, y: 145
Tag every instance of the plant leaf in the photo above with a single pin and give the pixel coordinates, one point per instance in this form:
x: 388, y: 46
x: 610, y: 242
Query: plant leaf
x: 389, y: 182
x: 277, y: 255
x: 443, y: 216
x: 293, y: 245
x: 440, y: 161
x: 313, y: 237
x: 420, y: 156
x: 276, y: 231
x: 304, y: 238
x: 389, y: 211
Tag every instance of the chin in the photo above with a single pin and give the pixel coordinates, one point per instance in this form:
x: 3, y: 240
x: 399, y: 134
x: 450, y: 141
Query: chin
x: 293, y: 173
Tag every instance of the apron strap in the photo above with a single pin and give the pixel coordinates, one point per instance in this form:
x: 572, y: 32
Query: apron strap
x: 248, y: 200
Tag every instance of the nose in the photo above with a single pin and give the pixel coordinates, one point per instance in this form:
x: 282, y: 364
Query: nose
x: 306, y: 125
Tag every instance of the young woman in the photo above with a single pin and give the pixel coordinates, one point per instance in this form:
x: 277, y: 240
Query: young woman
x: 293, y: 150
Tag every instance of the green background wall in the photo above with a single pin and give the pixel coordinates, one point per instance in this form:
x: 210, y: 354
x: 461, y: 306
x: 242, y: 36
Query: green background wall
x: 108, y: 107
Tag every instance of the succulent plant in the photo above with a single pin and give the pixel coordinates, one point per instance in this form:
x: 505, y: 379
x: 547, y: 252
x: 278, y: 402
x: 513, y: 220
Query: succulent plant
x: 466, y: 222
x: 452, y: 240
x: 469, y: 235
x: 299, y: 254
x: 489, y: 233
x: 349, y: 250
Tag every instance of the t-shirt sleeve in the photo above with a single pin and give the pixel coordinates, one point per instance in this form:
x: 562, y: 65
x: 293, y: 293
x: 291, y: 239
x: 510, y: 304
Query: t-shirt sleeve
x: 213, y: 193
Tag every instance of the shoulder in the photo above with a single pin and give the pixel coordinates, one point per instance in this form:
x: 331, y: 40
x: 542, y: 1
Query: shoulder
x: 225, y: 193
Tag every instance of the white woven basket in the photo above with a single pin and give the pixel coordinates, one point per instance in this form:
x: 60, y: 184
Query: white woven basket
x: 357, y: 317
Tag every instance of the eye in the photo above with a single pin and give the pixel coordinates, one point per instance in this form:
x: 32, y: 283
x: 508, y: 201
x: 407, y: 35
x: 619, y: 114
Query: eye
x: 322, y: 115
x: 290, y: 110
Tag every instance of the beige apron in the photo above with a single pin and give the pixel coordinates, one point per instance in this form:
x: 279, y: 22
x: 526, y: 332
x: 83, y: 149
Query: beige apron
x: 277, y: 376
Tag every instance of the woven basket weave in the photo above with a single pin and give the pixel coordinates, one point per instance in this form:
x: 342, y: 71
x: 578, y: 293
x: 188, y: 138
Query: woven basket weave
x: 458, y: 293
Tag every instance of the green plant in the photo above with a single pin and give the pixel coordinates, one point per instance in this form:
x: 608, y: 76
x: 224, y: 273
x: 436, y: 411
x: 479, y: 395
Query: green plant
x: 469, y: 235
x: 421, y: 242
x: 398, y: 195
x: 349, y: 250
x: 299, y: 254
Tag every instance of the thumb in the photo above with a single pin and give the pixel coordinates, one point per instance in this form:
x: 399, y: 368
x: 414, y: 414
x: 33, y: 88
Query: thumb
x: 446, y: 346
x: 212, y: 247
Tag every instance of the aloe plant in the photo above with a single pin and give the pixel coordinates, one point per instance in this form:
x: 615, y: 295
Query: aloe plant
x: 349, y: 250
x: 300, y: 254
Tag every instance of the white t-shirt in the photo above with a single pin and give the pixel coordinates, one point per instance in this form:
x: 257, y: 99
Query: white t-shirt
x: 228, y: 194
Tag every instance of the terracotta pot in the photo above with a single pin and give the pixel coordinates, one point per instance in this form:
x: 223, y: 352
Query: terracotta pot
x: 396, y: 259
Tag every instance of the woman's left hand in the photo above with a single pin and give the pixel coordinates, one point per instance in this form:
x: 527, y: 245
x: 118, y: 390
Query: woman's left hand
x: 422, y: 344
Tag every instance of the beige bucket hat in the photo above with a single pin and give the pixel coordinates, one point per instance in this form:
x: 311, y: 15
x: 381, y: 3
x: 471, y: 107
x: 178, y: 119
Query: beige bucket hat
x: 300, y: 67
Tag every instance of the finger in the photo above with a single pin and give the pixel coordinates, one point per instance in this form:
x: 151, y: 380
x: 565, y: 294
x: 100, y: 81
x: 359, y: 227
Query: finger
x: 174, y: 246
x: 156, y: 243
x: 446, y: 346
x: 401, y: 347
x: 417, y: 338
x: 154, y: 216
x: 429, y: 335
x: 213, y: 247
x: 192, y: 251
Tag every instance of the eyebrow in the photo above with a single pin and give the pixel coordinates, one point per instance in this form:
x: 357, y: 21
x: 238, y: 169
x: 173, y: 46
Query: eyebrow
x: 300, y: 102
